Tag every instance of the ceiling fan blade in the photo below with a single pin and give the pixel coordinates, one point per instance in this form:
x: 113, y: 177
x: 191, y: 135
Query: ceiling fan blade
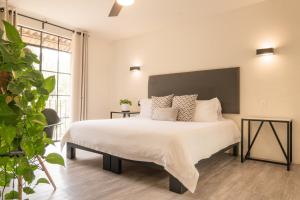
x: 115, y: 10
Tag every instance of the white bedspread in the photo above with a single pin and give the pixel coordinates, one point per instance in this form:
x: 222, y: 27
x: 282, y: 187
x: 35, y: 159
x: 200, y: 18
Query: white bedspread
x: 177, y: 146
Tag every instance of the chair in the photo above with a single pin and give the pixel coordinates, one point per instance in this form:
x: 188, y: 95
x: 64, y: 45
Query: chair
x: 52, y: 121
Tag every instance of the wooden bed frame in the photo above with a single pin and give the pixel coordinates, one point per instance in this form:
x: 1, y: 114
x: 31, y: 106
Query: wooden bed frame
x: 114, y: 164
x: 222, y: 83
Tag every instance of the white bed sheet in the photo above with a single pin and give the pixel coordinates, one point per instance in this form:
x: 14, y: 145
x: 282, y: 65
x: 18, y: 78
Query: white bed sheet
x: 177, y: 146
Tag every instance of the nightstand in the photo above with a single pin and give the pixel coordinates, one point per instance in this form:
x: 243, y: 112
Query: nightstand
x: 125, y: 114
x: 288, y: 154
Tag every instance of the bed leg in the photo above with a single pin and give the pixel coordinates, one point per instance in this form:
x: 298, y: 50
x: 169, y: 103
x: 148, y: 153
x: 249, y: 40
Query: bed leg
x: 235, y: 150
x: 176, y: 186
x: 71, y: 151
x: 106, y: 161
x: 115, y: 165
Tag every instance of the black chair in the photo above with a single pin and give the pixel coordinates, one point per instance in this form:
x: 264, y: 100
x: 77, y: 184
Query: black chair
x: 52, y: 121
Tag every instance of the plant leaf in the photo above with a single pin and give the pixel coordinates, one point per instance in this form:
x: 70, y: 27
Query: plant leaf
x: 38, y: 122
x: 48, y: 141
x: 8, y: 133
x: 7, y: 115
x: 12, y: 195
x: 12, y: 33
x: 28, y: 175
x: 25, y: 170
x: 5, y: 178
x: 49, y: 83
x: 15, y: 88
x: 28, y: 190
x: 55, y: 158
x: 8, y: 99
x: 42, y: 180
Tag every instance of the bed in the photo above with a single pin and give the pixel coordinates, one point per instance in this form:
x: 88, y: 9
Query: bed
x: 176, y: 146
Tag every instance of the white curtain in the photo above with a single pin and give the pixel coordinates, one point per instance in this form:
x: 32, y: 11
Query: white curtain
x: 79, y: 76
x: 8, y: 14
x: 12, y: 16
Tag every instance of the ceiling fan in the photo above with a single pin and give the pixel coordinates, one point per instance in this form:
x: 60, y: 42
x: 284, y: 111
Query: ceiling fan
x: 118, y: 5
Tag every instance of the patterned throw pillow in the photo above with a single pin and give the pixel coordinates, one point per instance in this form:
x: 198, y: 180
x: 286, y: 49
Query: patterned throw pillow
x: 186, y: 105
x: 162, y: 102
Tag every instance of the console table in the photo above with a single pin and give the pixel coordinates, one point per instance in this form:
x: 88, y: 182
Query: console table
x: 288, y: 154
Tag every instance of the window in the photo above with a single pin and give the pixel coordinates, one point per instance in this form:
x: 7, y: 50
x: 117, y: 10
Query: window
x: 55, y: 56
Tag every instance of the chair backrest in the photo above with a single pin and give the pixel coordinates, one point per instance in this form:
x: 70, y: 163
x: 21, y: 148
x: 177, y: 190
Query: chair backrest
x: 52, y: 118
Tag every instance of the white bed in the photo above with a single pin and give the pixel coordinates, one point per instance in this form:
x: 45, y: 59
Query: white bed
x: 177, y: 146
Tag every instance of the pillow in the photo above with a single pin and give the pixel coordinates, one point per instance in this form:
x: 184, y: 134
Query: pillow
x: 162, y: 102
x: 146, y: 108
x: 186, y: 105
x: 208, y: 110
x: 165, y: 114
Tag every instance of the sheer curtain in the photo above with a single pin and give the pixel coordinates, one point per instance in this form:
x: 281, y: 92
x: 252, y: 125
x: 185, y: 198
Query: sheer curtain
x: 79, y: 76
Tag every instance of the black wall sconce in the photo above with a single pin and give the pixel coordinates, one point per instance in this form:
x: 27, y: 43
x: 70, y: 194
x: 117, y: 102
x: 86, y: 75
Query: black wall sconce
x: 266, y: 51
x: 135, y: 68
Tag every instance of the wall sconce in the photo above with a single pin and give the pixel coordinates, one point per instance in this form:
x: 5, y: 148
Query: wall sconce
x: 135, y: 68
x: 265, y: 51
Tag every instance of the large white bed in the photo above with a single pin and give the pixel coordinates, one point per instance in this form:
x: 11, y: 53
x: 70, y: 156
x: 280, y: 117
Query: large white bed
x: 173, y: 144
x: 177, y: 146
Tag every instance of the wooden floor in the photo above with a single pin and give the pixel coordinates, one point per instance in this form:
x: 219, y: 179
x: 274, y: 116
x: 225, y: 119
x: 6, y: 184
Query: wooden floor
x: 221, y: 177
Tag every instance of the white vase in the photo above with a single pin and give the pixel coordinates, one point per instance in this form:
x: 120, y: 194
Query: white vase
x: 125, y: 107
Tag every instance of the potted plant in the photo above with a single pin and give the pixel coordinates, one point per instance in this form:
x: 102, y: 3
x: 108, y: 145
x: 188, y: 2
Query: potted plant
x: 23, y: 94
x: 125, y: 105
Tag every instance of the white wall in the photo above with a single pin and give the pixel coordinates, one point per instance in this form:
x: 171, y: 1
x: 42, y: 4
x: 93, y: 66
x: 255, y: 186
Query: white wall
x: 269, y: 85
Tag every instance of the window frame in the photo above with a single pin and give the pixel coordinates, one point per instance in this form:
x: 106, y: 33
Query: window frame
x: 57, y: 72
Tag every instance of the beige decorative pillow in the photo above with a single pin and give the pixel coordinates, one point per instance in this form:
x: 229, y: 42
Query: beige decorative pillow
x: 162, y: 102
x: 186, y: 105
x: 165, y: 114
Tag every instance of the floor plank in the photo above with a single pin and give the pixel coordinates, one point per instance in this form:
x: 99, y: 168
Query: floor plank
x: 222, y: 177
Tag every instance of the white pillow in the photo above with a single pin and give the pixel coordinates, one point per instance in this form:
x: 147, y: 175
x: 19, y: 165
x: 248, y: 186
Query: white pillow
x: 146, y: 108
x: 208, y: 110
x: 165, y: 114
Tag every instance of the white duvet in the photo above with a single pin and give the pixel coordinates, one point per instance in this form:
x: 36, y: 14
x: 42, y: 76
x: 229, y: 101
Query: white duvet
x: 177, y: 146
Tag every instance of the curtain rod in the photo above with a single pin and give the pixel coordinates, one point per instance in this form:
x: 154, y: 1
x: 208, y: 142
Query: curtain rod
x: 45, y: 22
x: 42, y: 21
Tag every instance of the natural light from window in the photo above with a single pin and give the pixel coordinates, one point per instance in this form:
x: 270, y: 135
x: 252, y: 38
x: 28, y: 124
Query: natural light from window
x: 55, y: 55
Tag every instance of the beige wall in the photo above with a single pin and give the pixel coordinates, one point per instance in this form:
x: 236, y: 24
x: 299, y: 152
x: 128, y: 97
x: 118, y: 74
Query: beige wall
x: 269, y: 85
x: 100, y: 57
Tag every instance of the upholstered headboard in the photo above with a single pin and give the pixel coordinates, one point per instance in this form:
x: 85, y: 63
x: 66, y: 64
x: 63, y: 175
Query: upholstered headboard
x: 221, y: 83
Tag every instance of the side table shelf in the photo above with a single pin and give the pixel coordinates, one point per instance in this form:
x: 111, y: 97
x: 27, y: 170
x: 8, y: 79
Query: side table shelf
x: 288, y: 154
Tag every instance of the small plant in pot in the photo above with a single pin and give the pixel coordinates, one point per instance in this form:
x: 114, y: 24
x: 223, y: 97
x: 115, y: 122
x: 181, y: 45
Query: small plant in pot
x: 125, y: 105
x: 23, y: 95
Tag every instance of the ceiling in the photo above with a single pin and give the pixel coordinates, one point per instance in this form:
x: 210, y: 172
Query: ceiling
x: 144, y: 16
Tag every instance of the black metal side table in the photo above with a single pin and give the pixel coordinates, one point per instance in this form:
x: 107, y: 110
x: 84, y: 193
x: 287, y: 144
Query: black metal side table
x: 288, y: 154
x: 125, y: 114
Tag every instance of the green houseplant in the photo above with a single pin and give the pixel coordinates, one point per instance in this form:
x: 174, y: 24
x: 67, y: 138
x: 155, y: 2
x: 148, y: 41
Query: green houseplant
x: 23, y: 94
x: 125, y: 105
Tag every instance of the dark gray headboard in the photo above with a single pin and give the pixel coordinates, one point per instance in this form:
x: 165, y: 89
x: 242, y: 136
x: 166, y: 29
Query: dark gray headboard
x: 221, y: 83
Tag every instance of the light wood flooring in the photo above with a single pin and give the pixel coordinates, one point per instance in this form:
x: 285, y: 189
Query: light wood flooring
x: 222, y: 177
